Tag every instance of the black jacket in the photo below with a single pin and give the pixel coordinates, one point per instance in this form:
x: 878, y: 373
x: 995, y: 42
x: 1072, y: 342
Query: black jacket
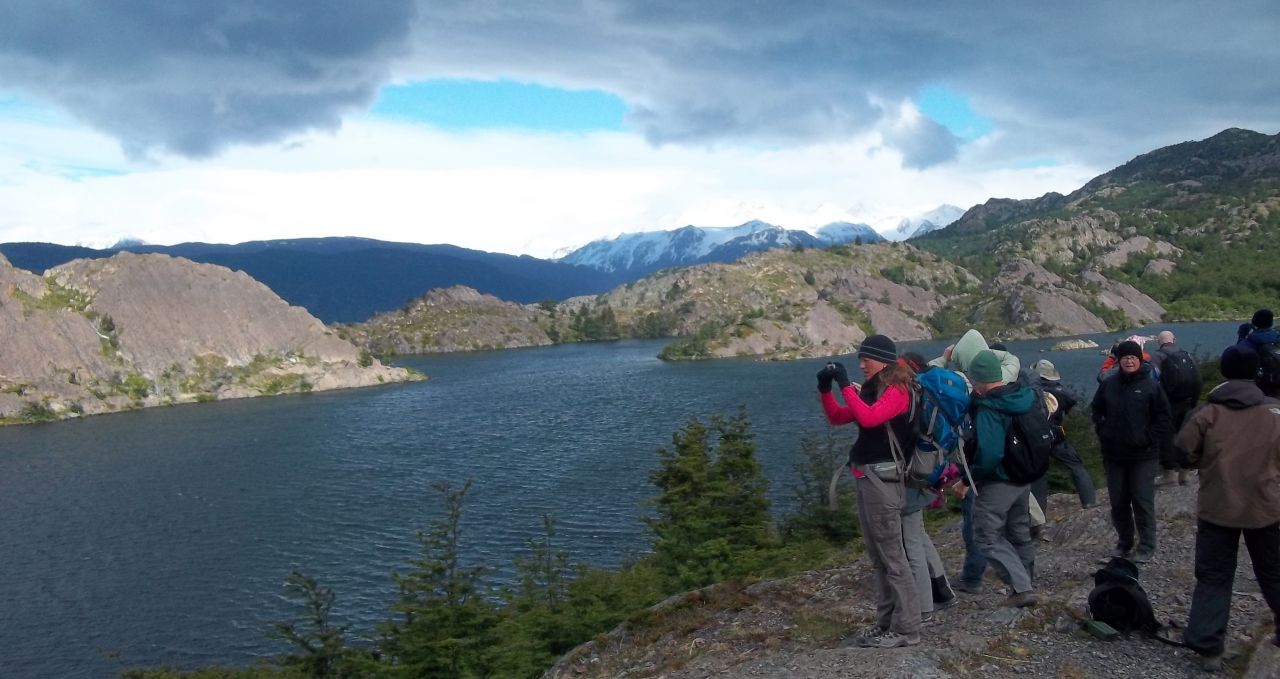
x: 1131, y: 415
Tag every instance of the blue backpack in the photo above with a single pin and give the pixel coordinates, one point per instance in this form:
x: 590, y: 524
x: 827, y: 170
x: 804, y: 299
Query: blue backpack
x: 942, y: 422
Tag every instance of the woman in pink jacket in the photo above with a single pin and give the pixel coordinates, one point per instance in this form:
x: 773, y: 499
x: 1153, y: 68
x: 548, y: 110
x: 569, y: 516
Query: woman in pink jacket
x: 881, y: 408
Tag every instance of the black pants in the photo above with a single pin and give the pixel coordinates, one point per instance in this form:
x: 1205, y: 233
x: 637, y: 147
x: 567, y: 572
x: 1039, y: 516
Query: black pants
x: 1131, y: 485
x: 1216, y: 549
x: 1065, y: 453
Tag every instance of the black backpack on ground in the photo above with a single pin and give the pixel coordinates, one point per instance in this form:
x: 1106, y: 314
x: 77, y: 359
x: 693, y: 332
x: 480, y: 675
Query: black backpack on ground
x: 1118, y: 600
x: 1179, y: 377
x: 1027, y: 445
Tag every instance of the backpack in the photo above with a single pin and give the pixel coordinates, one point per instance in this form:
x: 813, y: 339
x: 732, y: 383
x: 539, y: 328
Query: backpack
x: 1027, y: 444
x: 1269, y: 377
x: 1179, y: 377
x: 1118, y: 600
x: 941, y: 406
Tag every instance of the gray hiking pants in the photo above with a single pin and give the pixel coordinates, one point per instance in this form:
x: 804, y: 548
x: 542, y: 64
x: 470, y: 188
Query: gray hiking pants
x: 1002, y: 529
x: 880, y: 517
x: 925, y: 562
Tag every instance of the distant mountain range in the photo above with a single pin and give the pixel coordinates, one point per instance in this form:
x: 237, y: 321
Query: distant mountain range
x: 351, y: 279
x: 346, y: 280
x: 633, y: 255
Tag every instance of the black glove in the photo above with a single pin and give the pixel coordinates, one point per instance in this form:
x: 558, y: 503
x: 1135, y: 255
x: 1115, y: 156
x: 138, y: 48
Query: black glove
x: 824, y: 379
x: 841, y: 375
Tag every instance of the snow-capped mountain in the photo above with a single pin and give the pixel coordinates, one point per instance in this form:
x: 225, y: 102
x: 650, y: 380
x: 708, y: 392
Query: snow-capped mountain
x: 638, y: 254
x: 848, y: 232
x: 902, y: 228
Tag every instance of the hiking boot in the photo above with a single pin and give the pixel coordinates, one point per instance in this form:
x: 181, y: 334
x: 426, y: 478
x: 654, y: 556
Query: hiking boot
x: 940, y: 604
x: 1121, y: 553
x: 968, y: 587
x: 891, y: 639
x: 1211, y: 663
x: 1022, y: 599
x: 941, y: 591
x: 1166, y: 478
x: 868, y: 636
x: 1142, y: 556
x: 926, y: 616
x: 1184, y: 477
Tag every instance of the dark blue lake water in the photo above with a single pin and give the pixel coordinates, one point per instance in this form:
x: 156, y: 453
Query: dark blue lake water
x: 164, y: 536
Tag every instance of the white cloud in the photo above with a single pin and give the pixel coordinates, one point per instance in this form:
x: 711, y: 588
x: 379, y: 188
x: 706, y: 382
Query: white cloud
x: 502, y: 192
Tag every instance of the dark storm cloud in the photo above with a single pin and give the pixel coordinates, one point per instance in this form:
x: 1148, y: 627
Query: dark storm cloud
x: 193, y: 77
x: 1075, y: 81
x: 1078, y: 81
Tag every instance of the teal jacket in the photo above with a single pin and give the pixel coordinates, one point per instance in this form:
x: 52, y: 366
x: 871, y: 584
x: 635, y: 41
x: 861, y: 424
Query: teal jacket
x: 991, y: 417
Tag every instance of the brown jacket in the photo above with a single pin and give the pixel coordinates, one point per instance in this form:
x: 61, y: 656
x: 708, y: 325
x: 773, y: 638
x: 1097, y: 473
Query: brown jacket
x: 1234, y: 440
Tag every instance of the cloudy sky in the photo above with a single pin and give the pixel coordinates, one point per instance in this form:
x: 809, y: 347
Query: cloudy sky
x: 526, y: 127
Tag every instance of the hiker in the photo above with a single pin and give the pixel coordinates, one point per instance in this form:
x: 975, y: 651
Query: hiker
x: 1111, y: 364
x: 1049, y: 379
x: 881, y: 408
x: 932, y: 584
x: 1131, y: 417
x: 1262, y: 321
x: 1233, y: 440
x: 1001, y: 519
x: 1259, y: 335
x: 927, y: 569
x: 1180, y: 379
x: 958, y: 357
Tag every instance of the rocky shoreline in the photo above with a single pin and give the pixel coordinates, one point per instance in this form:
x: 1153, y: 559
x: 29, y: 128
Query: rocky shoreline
x: 801, y: 627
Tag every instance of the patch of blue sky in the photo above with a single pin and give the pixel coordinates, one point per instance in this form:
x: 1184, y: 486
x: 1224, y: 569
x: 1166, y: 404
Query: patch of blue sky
x: 499, y: 104
x: 14, y: 107
x: 952, y: 111
x: 72, y: 172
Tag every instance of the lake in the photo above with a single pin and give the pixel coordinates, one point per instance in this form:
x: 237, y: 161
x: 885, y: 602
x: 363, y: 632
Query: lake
x: 163, y: 536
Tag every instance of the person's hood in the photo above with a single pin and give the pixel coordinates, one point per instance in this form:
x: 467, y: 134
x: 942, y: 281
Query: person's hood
x: 1236, y: 394
x: 972, y: 342
x: 1011, y: 399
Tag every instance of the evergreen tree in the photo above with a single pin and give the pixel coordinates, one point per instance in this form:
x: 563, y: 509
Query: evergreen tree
x: 447, y: 625
x: 320, y: 646
x: 711, y: 513
x: 537, y: 629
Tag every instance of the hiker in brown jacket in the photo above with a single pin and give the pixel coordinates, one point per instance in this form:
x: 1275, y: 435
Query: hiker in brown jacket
x: 1234, y: 440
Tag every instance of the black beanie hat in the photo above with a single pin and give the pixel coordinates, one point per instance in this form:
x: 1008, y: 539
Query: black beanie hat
x: 1128, y: 348
x: 1262, y: 319
x: 878, y: 348
x: 1240, y: 363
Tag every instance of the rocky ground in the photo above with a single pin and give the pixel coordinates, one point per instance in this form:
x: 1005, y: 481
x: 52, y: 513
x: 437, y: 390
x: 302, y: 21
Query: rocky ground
x: 802, y: 627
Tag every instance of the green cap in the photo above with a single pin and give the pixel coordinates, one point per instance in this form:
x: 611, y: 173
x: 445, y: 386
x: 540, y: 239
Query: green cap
x: 985, y: 368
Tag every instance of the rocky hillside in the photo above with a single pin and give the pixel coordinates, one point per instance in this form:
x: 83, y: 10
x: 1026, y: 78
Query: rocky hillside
x: 791, y: 303
x: 452, y: 319
x: 1194, y: 227
x: 802, y: 627
x: 95, y: 336
x: 780, y: 304
x: 785, y: 303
